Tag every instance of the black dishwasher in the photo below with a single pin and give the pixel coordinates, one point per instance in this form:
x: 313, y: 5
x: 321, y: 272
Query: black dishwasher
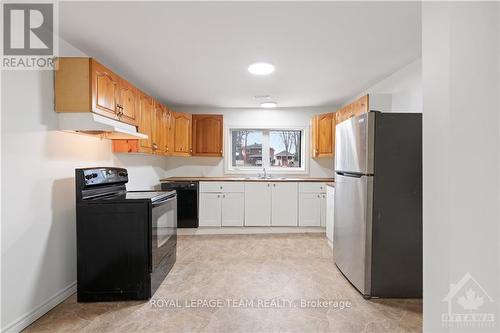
x: 187, y: 202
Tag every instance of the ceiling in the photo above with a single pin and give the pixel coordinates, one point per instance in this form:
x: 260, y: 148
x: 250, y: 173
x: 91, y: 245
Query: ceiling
x: 187, y: 53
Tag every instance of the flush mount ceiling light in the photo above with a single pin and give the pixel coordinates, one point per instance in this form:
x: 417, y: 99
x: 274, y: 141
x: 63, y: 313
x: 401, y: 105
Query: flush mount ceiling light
x: 268, y: 105
x: 261, y: 68
x: 262, y: 97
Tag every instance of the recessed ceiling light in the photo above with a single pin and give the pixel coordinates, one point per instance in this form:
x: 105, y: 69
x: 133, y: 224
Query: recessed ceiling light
x: 268, y: 105
x: 261, y: 68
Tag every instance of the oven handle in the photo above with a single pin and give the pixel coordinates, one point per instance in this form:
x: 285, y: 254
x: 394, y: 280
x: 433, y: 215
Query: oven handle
x: 158, y: 203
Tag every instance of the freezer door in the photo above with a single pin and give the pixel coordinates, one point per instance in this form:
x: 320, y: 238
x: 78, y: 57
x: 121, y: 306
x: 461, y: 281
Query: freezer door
x: 354, y: 139
x: 352, y: 229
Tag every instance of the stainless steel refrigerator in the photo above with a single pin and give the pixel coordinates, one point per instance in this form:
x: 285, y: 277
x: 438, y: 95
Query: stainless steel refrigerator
x: 378, y: 203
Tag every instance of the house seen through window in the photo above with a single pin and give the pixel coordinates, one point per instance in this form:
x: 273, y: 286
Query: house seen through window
x: 272, y: 149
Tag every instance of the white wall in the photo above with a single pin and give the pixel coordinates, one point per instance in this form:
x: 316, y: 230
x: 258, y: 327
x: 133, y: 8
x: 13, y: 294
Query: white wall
x: 404, y: 89
x: 38, y: 250
x: 321, y: 167
x: 461, y: 118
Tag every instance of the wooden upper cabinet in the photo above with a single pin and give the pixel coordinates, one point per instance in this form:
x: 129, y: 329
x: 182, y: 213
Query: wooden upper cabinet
x: 105, y: 90
x: 323, y: 135
x: 207, y: 135
x: 169, y: 130
x: 354, y: 109
x: 84, y: 85
x: 128, y: 102
x: 159, y: 129
x: 145, y: 117
x: 360, y: 106
x: 182, y: 134
x: 146, y: 105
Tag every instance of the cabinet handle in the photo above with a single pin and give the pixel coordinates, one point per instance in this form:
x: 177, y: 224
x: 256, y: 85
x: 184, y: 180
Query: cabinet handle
x: 223, y: 195
x: 218, y: 195
x: 220, y: 187
x: 323, y: 196
x: 268, y: 184
x: 319, y: 196
x: 274, y: 185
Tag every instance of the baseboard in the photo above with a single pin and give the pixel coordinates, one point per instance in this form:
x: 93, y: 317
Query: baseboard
x: 25, y: 320
x: 248, y: 230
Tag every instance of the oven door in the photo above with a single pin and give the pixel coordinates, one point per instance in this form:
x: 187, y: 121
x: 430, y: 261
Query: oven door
x: 163, y: 230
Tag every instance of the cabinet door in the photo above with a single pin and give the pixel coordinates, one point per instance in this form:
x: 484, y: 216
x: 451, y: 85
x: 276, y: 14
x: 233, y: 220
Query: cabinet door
x: 128, y: 103
x: 325, y: 135
x: 322, y: 210
x: 257, y: 204
x: 105, y: 92
x: 169, y: 130
x: 207, y: 135
x: 210, y: 209
x: 309, y: 209
x: 146, y: 122
x: 360, y: 106
x: 159, y: 125
x: 233, y: 209
x: 182, y: 134
x: 284, y: 204
x: 330, y: 197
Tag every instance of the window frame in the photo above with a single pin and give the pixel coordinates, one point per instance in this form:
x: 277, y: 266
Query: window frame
x: 229, y: 169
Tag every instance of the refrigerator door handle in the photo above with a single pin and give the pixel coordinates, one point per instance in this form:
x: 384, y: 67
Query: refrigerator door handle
x: 350, y: 174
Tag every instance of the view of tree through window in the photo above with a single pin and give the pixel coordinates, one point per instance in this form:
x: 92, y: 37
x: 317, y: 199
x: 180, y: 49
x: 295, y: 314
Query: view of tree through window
x: 249, y: 148
x: 285, y: 147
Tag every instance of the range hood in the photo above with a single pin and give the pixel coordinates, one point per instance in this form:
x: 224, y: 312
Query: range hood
x: 90, y: 123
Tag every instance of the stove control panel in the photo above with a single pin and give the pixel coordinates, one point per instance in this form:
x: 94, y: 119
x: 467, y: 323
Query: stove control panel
x: 101, y: 176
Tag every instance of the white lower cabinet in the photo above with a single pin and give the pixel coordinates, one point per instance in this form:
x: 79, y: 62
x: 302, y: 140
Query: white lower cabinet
x: 312, y: 204
x: 309, y: 209
x: 233, y: 209
x: 330, y: 197
x: 322, y: 210
x: 284, y: 198
x: 262, y: 204
x: 210, y: 209
x: 257, y: 204
x: 221, y: 208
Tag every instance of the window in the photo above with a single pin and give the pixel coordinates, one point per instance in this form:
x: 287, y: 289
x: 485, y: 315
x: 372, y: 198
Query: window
x: 278, y: 150
x: 247, y: 148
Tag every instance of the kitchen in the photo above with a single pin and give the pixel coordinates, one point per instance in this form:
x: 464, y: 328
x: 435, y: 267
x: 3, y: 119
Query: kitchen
x: 244, y: 115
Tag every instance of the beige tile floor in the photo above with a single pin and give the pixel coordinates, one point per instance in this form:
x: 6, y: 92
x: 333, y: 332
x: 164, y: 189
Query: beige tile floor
x: 248, y: 268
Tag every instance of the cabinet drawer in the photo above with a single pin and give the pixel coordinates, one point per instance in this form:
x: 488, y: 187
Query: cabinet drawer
x: 312, y: 187
x: 226, y: 187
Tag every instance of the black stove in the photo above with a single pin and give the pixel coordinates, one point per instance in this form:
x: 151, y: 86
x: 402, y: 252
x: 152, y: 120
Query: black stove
x: 126, y: 240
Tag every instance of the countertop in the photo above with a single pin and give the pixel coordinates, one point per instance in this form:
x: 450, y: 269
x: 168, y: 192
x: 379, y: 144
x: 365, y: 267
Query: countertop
x: 253, y: 179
